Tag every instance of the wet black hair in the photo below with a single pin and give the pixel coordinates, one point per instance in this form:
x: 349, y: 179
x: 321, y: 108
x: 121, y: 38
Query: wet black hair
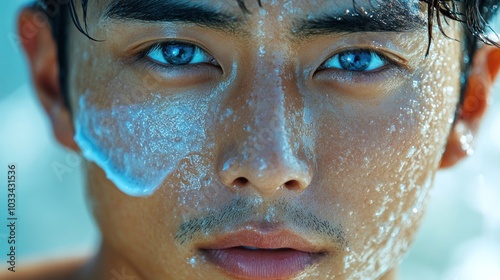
x: 473, y: 14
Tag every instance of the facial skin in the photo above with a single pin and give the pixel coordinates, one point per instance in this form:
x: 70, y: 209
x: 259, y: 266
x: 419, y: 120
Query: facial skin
x: 262, y: 142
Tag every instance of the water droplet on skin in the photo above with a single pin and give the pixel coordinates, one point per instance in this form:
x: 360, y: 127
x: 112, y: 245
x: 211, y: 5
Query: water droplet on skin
x: 381, y: 229
x: 192, y: 261
x: 263, y: 166
x: 262, y: 51
x: 392, y: 217
x: 466, y: 138
x: 271, y: 214
x: 367, y: 160
x: 411, y: 152
x: 226, y: 165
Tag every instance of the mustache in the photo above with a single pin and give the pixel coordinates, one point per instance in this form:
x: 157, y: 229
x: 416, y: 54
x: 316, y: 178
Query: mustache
x: 242, y: 210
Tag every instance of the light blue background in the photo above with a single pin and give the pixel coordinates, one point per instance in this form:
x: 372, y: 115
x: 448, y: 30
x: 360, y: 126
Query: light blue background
x: 460, y: 238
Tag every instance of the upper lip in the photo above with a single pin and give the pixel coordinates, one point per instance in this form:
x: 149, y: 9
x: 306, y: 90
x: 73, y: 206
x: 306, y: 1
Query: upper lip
x: 263, y: 238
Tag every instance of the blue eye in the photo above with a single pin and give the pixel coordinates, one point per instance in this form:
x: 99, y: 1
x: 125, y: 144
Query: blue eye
x: 356, y: 60
x: 178, y: 53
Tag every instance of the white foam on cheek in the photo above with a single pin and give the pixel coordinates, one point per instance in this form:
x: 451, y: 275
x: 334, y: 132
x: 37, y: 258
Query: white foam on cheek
x: 139, y: 145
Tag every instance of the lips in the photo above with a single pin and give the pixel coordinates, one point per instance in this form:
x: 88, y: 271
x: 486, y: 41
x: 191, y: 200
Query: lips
x: 253, y: 253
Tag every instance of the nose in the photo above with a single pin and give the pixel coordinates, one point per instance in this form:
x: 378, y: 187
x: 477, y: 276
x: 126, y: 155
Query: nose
x: 265, y: 151
x: 268, y: 171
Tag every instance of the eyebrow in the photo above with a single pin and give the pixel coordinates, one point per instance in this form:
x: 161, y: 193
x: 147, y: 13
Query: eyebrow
x: 387, y: 18
x: 181, y: 11
x: 352, y: 23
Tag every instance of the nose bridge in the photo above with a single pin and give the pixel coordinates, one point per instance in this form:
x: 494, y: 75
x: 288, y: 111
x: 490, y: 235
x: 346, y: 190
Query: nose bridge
x: 268, y: 91
x: 266, y: 157
x: 270, y: 140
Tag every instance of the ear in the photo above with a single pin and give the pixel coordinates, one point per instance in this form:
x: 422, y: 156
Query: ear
x: 40, y: 47
x: 485, y: 67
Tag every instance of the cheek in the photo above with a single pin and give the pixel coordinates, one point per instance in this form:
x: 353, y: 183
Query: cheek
x: 381, y: 164
x: 139, y: 137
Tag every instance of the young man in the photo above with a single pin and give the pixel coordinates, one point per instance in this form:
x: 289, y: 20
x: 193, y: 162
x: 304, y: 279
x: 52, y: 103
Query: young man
x: 258, y: 139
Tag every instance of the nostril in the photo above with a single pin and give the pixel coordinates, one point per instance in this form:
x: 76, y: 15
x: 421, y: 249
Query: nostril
x: 292, y: 185
x: 240, y: 181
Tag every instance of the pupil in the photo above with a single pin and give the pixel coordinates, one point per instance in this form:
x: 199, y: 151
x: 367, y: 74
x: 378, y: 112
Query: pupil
x: 178, y: 53
x: 356, y: 60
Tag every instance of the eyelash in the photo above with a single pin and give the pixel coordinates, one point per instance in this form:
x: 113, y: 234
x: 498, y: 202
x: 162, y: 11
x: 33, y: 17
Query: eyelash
x: 393, y: 67
x: 143, y: 56
x: 370, y: 74
x: 384, y: 58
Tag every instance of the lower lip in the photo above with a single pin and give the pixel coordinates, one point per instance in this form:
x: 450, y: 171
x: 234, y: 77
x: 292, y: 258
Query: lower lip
x: 261, y: 264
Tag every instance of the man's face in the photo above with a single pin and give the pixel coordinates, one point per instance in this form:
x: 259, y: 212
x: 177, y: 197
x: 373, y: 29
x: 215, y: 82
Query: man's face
x: 299, y: 139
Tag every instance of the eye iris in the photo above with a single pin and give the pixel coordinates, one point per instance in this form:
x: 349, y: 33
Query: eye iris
x: 178, y: 53
x: 356, y: 60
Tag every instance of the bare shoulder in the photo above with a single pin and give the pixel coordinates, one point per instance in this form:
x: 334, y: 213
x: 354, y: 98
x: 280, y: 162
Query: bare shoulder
x: 50, y: 270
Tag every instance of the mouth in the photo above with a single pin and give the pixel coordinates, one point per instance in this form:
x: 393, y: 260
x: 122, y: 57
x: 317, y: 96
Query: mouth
x: 257, y: 254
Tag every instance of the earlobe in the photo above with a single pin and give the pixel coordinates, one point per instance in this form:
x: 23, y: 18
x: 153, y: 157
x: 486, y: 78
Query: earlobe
x: 485, y: 67
x: 40, y: 48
